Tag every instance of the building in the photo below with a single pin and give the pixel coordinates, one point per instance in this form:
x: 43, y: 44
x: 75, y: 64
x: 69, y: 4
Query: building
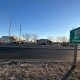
x: 44, y: 42
x: 1, y: 41
x: 8, y: 39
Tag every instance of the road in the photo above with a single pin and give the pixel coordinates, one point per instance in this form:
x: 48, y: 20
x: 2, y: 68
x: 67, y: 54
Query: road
x: 41, y: 52
x: 37, y: 52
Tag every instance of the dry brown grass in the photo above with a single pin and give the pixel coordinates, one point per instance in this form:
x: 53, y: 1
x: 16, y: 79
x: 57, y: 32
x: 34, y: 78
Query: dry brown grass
x: 41, y: 70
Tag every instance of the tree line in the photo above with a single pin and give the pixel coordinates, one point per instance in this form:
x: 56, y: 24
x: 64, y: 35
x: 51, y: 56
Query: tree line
x: 33, y: 37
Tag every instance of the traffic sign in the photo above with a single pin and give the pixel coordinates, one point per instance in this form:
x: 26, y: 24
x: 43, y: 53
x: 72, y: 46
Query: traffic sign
x: 75, y: 35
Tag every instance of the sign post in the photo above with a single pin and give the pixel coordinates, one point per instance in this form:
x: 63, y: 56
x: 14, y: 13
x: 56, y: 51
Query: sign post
x: 75, y: 39
x: 75, y: 55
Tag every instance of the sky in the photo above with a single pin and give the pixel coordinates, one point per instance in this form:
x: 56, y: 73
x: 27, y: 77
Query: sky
x: 42, y: 17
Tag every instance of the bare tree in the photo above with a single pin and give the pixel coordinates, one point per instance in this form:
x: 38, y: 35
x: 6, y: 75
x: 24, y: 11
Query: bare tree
x: 23, y: 36
x: 34, y: 37
x: 26, y: 37
x: 58, y: 39
x: 51, y: 38
x: 61, y: 39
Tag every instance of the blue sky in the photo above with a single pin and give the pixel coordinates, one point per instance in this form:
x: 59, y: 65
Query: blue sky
x: 42, y: 17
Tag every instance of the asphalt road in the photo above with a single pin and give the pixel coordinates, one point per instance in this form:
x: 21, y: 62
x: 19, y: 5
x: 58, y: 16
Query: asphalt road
x: 49, y: 52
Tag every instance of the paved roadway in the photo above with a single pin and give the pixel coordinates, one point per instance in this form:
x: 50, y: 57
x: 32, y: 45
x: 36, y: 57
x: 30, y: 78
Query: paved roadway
x: 37, y: 52
x: 33, y: 53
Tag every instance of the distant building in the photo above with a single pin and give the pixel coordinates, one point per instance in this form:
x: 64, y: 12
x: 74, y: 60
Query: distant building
x: 65, y: 44
x: 5, y: 39
x: 44, y: 42
x: 56, y: 43
x: 1, y: 41
x: 8, y: 39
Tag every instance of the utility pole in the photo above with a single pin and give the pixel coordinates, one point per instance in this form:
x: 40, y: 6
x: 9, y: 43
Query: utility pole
x: 20, y: 33
x: 10, y: 29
